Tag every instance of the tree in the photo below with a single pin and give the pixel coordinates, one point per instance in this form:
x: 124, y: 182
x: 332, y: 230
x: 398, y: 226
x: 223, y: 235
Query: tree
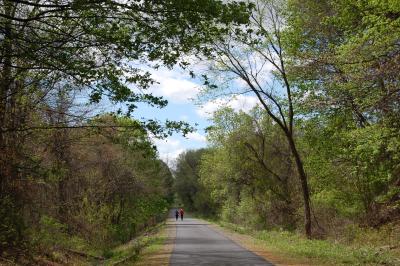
x: 343, y: 57
x: 112, y: 187
x: 257, y: 56
x: 249, y: 161
x: 96, y: 49
x: 92, y: 45
x: 188, y: 187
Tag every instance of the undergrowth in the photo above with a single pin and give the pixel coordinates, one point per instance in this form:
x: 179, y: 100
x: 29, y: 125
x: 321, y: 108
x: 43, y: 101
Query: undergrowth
x: 326, y: 251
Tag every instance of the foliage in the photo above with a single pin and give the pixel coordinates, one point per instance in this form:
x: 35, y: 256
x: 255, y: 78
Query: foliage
x: 99, y: 177
x: 344, y: 66
x: 117, y: 189
x: 94, y: 44
x: 132, y: 250
x: 323, y: 144
x: 253, y: 60
x: 11, y: 225
x: 325, y: 73
x: 245, y: 177
x: 322, y: 251
x: 189, y: 190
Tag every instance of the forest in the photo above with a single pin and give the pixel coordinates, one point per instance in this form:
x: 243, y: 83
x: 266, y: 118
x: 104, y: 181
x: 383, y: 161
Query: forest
x: 319, y: 155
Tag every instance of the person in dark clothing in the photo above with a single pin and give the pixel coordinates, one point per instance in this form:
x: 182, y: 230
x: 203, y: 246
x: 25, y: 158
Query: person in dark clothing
x: 181, y: 212
x: 176, y: 214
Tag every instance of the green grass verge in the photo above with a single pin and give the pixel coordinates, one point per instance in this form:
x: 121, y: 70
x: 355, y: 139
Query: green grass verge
x: 325, y: 251
x: 152, y: 248
x: 130, y: 252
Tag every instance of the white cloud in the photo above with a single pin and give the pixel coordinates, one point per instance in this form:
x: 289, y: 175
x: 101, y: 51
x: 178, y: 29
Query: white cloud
x: 169, y: 149
x: 238, y: 102
x: 195, y: 136
x: 184, y: 118
x: 174, y: 86
x: 178, y: 90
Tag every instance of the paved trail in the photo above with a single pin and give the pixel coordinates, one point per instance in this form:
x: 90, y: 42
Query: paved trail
x: 198, y: 244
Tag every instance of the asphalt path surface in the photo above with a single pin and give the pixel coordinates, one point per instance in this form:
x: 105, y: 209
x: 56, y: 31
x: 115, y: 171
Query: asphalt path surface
x: 198, y: 244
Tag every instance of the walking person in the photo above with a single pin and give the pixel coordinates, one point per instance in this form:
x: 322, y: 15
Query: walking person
x: 181, y: 212
x: 176, y: 214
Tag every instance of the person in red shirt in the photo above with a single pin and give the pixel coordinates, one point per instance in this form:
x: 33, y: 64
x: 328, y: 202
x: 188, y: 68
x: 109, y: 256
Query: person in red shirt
x: 181, y: 212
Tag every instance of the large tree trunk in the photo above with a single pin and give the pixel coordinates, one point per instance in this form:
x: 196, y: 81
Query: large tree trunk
x: 304, y: 185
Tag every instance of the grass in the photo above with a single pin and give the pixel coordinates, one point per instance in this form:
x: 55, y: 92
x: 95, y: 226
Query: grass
x: 323, y: 251
x: 147, y: 255
x: 130, y: 252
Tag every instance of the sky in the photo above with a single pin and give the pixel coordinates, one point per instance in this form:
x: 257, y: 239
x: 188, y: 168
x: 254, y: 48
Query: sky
x: 181, y: 92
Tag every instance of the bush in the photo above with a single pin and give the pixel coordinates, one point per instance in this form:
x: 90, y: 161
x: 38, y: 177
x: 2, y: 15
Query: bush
x: 52, y: 234
x: 11, y: 224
